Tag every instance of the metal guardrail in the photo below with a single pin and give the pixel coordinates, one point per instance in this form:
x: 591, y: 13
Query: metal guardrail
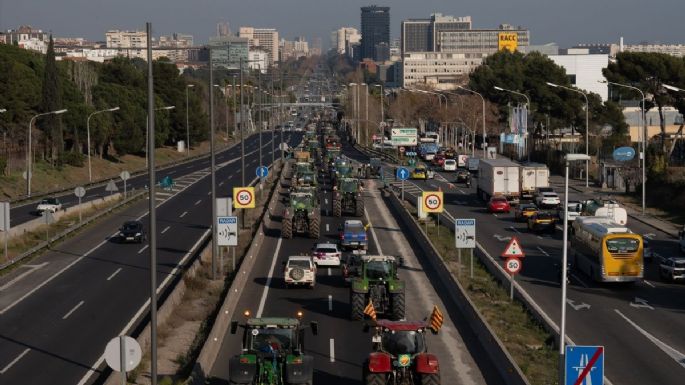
x: 374, y: 152
x: 70, y: 230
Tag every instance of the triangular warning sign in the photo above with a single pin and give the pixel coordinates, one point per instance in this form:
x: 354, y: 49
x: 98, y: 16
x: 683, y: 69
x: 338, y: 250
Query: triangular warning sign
x: 513, y: 249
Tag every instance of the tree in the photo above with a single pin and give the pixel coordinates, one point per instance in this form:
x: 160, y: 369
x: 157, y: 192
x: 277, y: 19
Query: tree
x: 51, y: 125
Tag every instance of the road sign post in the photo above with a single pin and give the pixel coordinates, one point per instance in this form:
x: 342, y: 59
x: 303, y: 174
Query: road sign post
x: 125, y: 175
x: 432, y: 202
x: 111, y: 187
x: 512, y: 265
x: 583, y: 365
x: 5, y: 223
x: 79, y: 192
x: 402, y: 174
x: 465, y: 238
x: 262, y: 172
x: 243, y: 198
x: 123, y: 354
x: 403, y: 137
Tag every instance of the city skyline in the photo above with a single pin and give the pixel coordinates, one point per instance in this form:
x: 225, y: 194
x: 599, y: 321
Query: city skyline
x: 606, y: 23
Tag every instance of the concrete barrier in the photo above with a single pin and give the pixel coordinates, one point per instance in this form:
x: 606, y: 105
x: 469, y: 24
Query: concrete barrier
x: 508, y: 370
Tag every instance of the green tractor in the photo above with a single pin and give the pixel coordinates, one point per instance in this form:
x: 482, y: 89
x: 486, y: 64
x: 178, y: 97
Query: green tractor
x: 347, y: 197
x: 305, y: 178
x: 302, y: 215
x: 272, y: 353
x: 378, y: 284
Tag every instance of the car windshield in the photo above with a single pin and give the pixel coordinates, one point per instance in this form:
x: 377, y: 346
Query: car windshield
x: 402, y: 342
x: 377, y: 269
x: 131, y: 226
x: 499, y: 200
x: 544, y: 216
x: 271, y: 340
x: 419, y: 170
x: 326, y: 250
x: 299, y: 263
x: 49, y: 201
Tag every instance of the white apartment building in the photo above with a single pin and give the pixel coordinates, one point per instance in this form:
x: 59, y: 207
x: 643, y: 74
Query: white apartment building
x: 34, y: 44
x: 343, y: 37
x: 441, y: 70
x: 585, y: 71
x: 126, y: 39
x: 265, y: 39
x: 677, y: 50
x: 258, y: 60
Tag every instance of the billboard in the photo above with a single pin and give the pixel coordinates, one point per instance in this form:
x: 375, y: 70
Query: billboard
x: 508, y: 41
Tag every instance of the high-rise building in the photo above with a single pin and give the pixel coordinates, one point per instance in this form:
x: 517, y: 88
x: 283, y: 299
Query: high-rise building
x: 222, y: 29
x: 343, y: 37
x: 421, y: 35
x: 265, y: 39
x: 228, y: 50
x: 126, y: 39
x: 375, y: 30
x: 294, y: 49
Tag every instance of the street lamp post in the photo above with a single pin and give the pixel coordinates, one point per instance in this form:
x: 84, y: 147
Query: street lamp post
x: 90, y: 173
x: 527, y: 106
x: 483, y: 100
x: 587, y: 127
x: 381, y: 129
x: 147, y: 132
x: 644, y: 140
x: 564, y: 264
x: 188, y: 121
x: 29, y: 172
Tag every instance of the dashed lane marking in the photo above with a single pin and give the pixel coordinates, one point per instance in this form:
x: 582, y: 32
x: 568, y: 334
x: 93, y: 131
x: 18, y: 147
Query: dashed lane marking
x: 143, y: 249
x: 183, y: 214
x: 114, y: 274
x: 262, y: 302
x: 166, y: 229
x: 14, y: 361
x: 73, y: 310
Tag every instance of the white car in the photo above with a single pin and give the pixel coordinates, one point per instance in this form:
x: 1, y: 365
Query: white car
x: 300, y: 270
x: 575, y: 208
x: 52, y: 205
x: 326, y: 254
x: 547, y: 199
x: 449, y: 165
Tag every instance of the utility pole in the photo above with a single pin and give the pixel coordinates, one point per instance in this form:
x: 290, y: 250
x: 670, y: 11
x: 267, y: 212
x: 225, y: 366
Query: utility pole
x: 242, y: 126
x: 212, y: 162
x: 260, y: 94
x: 273, y: 120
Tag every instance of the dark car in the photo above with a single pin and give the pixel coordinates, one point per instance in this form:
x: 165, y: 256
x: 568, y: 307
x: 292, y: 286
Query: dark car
x: 132, y: 231
x: 542, y: 221
x: 463, y: 176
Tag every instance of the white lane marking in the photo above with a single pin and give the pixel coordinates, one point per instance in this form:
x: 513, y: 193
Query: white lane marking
x: 373, y: 233
x: 462, y: 191
x: 113, y: 274
x: 14, y: 361
x: 166, y: 229
x: 209, y: 193
x: 585, y: 285
x: 649, y: 283
x: 515, y: 230
x: 671, y: 352
x: 16, y: 279
x: 198, y: 202
x: 171, y: 172
x: 30, y: 292
x: 326, y: 227
x: 183, y: 215
x: 73, y: 310
x: 330, y: 302
x: 329, y: 271
x: 326, y: 200
x: 332, y: 349
x: 221, y: 184
x: 262, y: 301
x: 495, y: 215
x: 143, y: 249
x: 543, y: 251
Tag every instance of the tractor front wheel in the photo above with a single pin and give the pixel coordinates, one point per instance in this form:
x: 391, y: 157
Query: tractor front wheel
x: 358, y: 305
x: 397, y: 306
x: 287, y: 228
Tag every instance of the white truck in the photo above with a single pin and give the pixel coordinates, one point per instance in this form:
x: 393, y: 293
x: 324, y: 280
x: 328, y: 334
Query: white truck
x: 607, y: 209
x: 498, y: 177
x: 472, y: 164
x: 533, y: 175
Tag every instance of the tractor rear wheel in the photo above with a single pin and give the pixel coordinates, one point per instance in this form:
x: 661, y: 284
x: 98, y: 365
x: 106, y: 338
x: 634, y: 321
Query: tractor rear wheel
x: 358, y: 305
x: 337, y: 208
x: 287, y: 228
x: 314, y: 228
x: 397, y: 306
x: 374, y: 379
x: 430, y: 379
x: 359, y: 207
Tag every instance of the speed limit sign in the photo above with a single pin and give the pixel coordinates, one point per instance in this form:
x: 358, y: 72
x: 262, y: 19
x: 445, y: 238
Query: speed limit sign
x: 512, y: 265
x: 432, y: 201
x: 243, y: 197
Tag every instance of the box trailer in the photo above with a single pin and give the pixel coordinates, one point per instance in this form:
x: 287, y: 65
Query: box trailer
x: 533, y: 175
x: 498, y: 177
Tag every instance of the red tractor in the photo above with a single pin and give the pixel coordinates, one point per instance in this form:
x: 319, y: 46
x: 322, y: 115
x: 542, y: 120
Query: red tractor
x: 400, y: 355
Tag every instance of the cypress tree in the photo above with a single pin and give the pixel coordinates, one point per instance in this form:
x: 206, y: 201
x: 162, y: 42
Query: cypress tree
x: 51, y: 125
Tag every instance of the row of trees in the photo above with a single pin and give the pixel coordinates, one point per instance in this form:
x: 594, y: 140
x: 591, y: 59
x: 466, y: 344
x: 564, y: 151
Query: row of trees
x: 34, y: 83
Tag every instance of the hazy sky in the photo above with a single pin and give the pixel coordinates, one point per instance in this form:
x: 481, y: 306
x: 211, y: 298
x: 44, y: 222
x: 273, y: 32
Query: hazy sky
x: 565, y: 22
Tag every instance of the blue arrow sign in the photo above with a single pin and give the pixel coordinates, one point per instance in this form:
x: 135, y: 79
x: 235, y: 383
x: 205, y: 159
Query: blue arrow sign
x: 584, y: 365
x: 402, y: 173
x: 262, y: 171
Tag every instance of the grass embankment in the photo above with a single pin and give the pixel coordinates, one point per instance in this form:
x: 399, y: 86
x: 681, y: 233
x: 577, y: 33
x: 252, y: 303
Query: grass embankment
x: 47, y: 178
x: 531, y: 346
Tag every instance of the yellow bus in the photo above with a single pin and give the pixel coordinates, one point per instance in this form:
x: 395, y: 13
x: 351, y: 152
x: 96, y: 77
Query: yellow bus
x: 606, y: 251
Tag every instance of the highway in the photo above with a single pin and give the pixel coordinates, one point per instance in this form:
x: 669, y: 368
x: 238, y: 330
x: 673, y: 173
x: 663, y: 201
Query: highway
x: 341, y: 347
x: 26, y: 211
x: 58, y: 313
x: 640, y: 325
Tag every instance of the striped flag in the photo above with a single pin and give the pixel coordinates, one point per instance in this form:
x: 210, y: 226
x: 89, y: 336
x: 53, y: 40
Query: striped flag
x: 436, y: 318
x: 370, y: 311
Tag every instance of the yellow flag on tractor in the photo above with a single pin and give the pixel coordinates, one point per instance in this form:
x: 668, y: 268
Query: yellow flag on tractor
x: 435, y: 321
x: 370, y: 311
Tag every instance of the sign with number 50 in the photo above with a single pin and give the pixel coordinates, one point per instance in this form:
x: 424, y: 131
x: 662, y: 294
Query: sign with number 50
x: 243, y: 197
x: 432, y: 201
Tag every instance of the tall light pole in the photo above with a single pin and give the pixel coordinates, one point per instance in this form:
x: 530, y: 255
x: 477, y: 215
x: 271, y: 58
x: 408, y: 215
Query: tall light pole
x: 212, y: 165
x: 587, y: 127
x: 29, y: 171
x: 482, y: 98
x: 90, y: 172
x: 189, y: 86
x: 564, y: 264
x: 381, y: 128
x: 644, y: 140
x: 527, y: 106
x: 355, y: 109
x: 147, y: 133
